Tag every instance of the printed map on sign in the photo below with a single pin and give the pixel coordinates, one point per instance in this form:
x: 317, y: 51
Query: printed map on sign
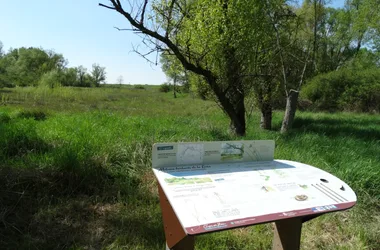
x: 217, y: 185
x: 190, y: 153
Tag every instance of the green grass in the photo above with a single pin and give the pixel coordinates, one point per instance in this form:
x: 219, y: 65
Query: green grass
x: 75, y: 168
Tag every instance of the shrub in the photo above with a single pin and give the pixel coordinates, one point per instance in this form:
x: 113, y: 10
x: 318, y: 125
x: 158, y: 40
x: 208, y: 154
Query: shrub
x: 4, y: 118
x: 165, y: 88
x: 364, y: 98
x: 139, y: 86
x: 304, y: 104
x: 345, y: 89
x: 201, y: 88
x: 51, y: 79
x: 5, y: 82
x: 34, y: 114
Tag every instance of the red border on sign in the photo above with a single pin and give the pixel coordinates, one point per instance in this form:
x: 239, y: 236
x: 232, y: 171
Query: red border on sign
x: 222, y: 225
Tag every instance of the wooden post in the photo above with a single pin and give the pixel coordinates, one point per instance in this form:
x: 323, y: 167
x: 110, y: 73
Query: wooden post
x: 176, y: 237
x: 186, y: 243
x: 287, y: 234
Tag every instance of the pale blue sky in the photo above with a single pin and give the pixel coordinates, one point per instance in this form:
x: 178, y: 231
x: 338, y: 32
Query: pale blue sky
x: 83, y: 32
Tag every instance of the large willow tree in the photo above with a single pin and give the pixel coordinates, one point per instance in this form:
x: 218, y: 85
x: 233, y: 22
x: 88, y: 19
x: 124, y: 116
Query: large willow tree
x: 211, y: 38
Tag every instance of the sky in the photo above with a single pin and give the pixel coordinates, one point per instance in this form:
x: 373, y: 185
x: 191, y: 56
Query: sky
x: 83, y: 32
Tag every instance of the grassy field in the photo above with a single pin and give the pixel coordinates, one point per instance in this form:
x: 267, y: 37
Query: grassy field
x: 75, y: 168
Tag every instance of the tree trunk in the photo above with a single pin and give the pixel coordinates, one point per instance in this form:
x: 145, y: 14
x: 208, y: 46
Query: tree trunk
x: 237, y: 117
x: 234, y: 93
x: 290, y: 111
x: 174, y: 82
x: 233, y: 105
x: 266, y: 116
x: 264, y: 97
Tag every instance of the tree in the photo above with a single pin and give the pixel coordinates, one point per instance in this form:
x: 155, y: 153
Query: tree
x: 173, y: 70
x: 82, y: 76
x: 1, y: 50
x: 3, y: 66
x: 263, y: 65
x: 25, y: 66
x: 98, y: 74
x: 211, y: 50
x: 51, y: 79
x: 337, y: 37
x: 70, y: 77
x: 292, y: 52
x: 120, y: 80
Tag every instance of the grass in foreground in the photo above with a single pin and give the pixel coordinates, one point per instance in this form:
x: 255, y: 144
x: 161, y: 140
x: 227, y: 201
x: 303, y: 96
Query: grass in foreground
x: 75, y: 169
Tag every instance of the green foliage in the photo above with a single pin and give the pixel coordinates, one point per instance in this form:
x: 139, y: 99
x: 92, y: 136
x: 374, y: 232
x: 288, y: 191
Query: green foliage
x: 32, y: 114
x: 25, y: 66
x: 200, y: 87
x: 4, y: 117
x: 365, y: 19
x: 5, y: 77
x: 98, y: 75
x: 69, y: 77
x: 174, y: 70
x: 1, y: 49
x: 268, y: 41
x: 138, y: 86
x: 38, y: 67
x: 364, y: 59
x: 363, y: 96
x: 345, y: 89
x: 51, y: 79
x: 165, y: 88
x: 83, y: 78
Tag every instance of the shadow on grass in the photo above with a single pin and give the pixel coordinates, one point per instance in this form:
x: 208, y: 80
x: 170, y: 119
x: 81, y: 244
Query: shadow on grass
x: 63, y: 195
x: 47, y: 210
x: 19, y: 137
x: 5, y: 91
x: 332, y: 127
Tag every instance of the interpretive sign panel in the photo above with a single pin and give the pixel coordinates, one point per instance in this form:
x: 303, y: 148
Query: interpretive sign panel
x: 213, y: 186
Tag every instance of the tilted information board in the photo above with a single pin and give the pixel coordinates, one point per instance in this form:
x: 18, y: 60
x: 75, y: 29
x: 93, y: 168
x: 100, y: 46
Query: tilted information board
x: 213, y: 186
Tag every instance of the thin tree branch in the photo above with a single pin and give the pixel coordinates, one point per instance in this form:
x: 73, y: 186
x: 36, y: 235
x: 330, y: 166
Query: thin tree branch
x: 105, y: 6
x: 126, y: 29
x: 303, y: 72
x: 169, y: 18
x: 187, y: 65
x: 143, y: 12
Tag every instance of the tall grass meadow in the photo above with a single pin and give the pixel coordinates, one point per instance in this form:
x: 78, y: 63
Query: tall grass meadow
x: 75, y: 168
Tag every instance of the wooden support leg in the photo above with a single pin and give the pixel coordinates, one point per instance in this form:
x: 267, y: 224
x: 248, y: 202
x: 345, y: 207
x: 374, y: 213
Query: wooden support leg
x: 176, y: 237
x: 186, y: 243
x: 287, y: 234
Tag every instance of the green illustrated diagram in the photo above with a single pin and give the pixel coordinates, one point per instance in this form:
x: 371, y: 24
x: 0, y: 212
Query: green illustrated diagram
x: 232, y: 151
x: 184, y: 181
x: 265, y: 177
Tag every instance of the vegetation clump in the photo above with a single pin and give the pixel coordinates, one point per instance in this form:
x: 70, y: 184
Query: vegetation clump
x: 165, y: 88
x: 4, y: 117
x: 139, y: 86
x: 33, y: 114
x: 345, y: 90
